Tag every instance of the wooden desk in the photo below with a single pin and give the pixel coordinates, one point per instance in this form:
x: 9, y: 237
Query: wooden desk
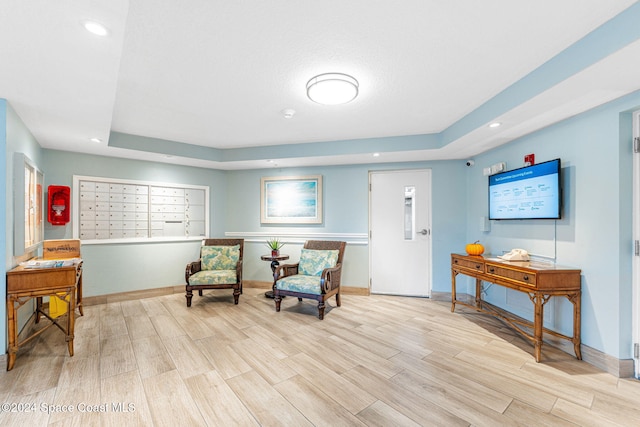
x: 540, y: 281
x: 23, y: 284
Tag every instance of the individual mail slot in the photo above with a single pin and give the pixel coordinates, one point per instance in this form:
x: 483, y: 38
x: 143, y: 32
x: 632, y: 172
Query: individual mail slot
x: 102, y: 187
x: 129, y: 189
x: 141, y: 216
x: 115, y: 206
x: 116, y: 197
x: 87, y: 186
x: 517, y: 275
x: 194, y: 197
x: 115, y: 234
x: 128, y: 216
x: 142, y: 225
x: 175, y: 200
x: 87, y: 195
x: 87, y: 234
x: 157, y: 225
x: 102, y: 225
x: 129, y: 207
x: 173, y: 209
x: 102, y: 206
x: 102, y: 197
x: 115, y: 188
x: 128, y: 225
x: 157, y: 216
x: 87, y: 216
x: 87, y: 206
x: 128, y: 233
x: 158, y: 191
x: 195, y: 228
x: 142, y: 189
x: 142, y: 207
x: 102, y: 234
x: 470, y: 264
x: 142, y: 233
x: 115, y: 215
x: 102, y: 216
x: 195, y: 213
x: 115, y: 225
x: 158, y: 200
x: 173, y: 216
x: 88, y: 225
x: 129, y: 198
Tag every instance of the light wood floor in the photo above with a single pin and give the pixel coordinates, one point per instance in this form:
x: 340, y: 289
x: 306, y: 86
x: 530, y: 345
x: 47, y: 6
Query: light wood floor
x: 377, y: 360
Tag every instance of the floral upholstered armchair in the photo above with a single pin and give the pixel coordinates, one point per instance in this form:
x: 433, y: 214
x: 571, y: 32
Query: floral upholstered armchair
x: 316, y: 276
x: 219, y: 267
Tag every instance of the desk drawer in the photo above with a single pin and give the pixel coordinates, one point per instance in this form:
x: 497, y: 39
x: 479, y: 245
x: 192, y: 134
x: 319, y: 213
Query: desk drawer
x: 469, y: 264
x: 524, y: 277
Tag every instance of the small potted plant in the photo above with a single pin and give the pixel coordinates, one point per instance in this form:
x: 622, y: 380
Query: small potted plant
x: 274, y: 244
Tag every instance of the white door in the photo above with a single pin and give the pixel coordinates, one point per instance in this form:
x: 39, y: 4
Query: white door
x: 636, y: 237
x: 400, y: 232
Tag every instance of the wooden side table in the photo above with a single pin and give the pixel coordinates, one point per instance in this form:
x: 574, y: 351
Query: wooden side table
x: 275, y: 262
x: 24, y: 284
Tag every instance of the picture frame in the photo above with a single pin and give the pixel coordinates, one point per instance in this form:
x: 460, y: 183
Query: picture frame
x: 291, y: 200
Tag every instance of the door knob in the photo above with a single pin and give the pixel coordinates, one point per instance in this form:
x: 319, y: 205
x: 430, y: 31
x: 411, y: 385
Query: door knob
x: 424, y: 232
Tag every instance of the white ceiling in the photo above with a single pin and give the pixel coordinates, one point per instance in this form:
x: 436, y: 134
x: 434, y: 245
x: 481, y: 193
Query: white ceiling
x: 219, y: 73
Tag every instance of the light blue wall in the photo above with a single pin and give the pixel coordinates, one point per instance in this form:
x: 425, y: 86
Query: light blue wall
x: 595, y: 232
x: 346, y: 210
x: 14, y: 138
x: 113, y: 268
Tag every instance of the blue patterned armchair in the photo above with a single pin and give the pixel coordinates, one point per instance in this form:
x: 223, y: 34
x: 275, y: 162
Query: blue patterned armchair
x: 316, y: 276
x: 219, y: 267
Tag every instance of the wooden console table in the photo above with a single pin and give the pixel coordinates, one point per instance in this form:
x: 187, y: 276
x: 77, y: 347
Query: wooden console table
x: 23, y: 284
x: 540, y: 281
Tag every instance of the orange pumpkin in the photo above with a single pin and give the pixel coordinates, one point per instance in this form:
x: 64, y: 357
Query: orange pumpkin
x: 475, y: 248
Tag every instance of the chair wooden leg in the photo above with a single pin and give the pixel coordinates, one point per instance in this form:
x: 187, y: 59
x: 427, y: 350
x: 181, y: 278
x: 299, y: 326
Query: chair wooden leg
x: 236, y: 295
x: 189, y: 295
x: 278, y: 300
x: 321, y: 310
x: 200, y: 292
x: 338, y: 302
x: 300, y: 299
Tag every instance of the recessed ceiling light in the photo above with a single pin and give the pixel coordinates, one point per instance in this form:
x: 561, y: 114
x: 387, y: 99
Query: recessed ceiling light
x: 96, y: 140
x: 95, y: 28
x: 376, y: 154
x: 495, y: 124
x: 332, y: 89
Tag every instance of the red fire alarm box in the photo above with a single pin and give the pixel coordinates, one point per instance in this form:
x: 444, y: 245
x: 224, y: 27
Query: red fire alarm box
x: 529, y: 159
x: 59, y: 206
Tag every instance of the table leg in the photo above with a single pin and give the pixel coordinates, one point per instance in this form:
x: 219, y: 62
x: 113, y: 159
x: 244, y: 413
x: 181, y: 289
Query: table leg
x: 538, y: 319
x: 71, y: 320
x: 38, y: 308
x: 13, y: 328
x: 453, y: 290
x: 575, y: 299
x: 271, y: 293
x: 79, y: 295
x: 478, y: 293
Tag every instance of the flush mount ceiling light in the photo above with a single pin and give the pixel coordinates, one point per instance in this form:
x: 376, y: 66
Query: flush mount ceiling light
x: 332, y: 89
x: 495, y: 124
x: 96, y: 140
x: 95, y: 28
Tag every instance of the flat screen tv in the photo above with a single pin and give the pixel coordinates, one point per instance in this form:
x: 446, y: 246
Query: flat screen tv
x: 530, y: 192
